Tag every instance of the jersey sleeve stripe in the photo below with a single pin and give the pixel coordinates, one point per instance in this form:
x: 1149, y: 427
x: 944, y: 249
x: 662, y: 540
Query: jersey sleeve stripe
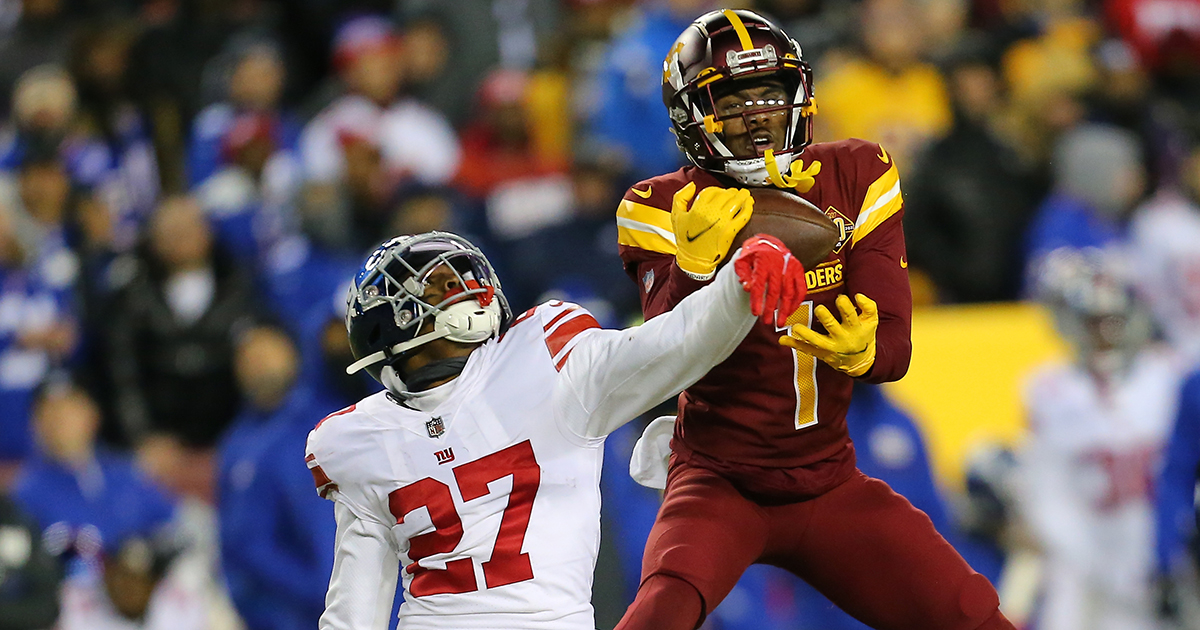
x: 558, y: 318
x: 645, y: 227
x: 558, y: 339
x: 336, y: 413
x: 324, y: 484
x: 883, y: 199
x: 558, y: 365
x: 524, y: 316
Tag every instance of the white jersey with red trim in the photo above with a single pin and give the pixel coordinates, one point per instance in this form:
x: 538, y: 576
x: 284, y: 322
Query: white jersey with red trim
x: 487, y: 488
x: 1086, y: 488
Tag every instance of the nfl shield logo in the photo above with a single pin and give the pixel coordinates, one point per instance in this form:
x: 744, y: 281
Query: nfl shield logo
x: 435, y: 427
x: 648, y: 280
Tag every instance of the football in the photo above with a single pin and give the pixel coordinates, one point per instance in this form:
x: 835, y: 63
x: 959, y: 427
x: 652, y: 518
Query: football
x: 807, y: 232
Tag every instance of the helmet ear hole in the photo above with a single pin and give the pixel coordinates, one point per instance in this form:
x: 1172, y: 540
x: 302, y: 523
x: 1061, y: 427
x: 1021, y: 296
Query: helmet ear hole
x: 374, y: 335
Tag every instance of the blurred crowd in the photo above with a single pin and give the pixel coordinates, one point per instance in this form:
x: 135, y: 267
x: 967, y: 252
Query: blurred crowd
x: 186, y: 188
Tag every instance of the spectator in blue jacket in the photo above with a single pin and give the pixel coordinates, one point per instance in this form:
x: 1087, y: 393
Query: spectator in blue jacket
x: 250, y: 77
x: 81, y: 491
x: 276, y: 532
x: 37, y: 333
x: 1175, y: 493
x: 627, y: 117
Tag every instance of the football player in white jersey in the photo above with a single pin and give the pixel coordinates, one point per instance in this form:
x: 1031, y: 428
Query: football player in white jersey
x: 1097, y: 426
x: 477, y: 470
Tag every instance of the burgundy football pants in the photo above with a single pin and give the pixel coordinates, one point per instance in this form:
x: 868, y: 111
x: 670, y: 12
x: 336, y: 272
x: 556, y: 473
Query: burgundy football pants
x: 861, y: 544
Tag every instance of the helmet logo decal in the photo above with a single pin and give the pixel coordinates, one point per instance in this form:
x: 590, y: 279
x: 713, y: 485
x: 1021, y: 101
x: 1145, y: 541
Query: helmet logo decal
x: 671, y: 66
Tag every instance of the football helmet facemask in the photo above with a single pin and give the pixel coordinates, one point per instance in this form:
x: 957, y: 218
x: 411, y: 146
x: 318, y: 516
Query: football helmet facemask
x: 387, y: 313
x: 721, y: 52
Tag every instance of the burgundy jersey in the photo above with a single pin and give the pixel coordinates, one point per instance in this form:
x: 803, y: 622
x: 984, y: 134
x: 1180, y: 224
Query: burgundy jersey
x: 769, y: 415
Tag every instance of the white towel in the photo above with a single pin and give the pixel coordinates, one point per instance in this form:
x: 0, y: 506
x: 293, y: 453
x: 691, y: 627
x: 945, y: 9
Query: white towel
x: 648, y: 465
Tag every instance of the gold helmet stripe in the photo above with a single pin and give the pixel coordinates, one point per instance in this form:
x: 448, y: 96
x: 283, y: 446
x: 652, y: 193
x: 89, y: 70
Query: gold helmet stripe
x: 740, y: 29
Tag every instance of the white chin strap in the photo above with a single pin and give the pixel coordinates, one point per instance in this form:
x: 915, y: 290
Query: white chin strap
x: 463, y: 322
x: 753, y: 172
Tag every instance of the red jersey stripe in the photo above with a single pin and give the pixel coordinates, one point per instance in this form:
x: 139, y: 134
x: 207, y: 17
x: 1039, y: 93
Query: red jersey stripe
x: 562, y: 335
x: 336, y: 413
x: 558, y: 366
x: 559, y: 317
x: 524, y: 316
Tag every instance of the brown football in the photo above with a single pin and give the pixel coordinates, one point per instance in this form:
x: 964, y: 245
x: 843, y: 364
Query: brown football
x: 807, y: 232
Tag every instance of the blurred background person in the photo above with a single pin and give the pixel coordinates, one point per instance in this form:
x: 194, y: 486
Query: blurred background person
x: 275, y: 531
x: 41, y: 33
x: 250, y: 199
x: 626, y: 118
x: 114, y: 152
x: 576, y: 259
x: 522, y: 185
x: 172, y: 345
x: 141, y: 584
x: 37, y: 332
x: 44, y: 107
x: 1165, y: 240
x: 29, y: 575
x: 81, y: 489
x: 888, y: 93
x: 374, y: 137
x: 1177, y: 547
x: 249, y: 78
x: 1099, y: 178
x: 1097, y: 428
x: 969, y: 196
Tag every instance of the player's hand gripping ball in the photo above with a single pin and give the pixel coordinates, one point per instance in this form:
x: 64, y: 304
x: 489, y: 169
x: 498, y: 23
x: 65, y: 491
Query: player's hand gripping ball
x: 849, y: 345
x: 773, y: 278
x: 704, y: 228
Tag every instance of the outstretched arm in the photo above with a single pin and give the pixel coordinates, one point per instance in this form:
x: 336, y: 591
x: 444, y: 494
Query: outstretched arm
x: 612, y: 376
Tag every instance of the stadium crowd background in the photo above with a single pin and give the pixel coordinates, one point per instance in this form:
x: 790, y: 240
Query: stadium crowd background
x: 186, y: 187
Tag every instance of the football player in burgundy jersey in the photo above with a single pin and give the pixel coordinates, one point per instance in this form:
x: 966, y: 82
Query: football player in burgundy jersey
x: 762, y: 469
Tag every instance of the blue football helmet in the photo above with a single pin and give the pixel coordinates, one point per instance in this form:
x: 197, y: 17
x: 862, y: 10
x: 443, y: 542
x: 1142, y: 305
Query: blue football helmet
x: 387, y: 315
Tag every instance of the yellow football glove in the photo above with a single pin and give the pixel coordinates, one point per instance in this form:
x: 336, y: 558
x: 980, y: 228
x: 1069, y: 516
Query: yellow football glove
x: 850, y: 345
x: 704, y: 229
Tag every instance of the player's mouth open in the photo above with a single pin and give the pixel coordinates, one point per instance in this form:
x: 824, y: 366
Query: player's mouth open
x: 761, y: 140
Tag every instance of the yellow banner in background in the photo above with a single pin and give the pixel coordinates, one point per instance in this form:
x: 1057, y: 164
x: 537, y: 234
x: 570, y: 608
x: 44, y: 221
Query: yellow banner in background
x: 968, y: 367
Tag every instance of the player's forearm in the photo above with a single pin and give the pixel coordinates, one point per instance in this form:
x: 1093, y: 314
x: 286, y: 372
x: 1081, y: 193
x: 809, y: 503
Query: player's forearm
x: 363, y: 583
x: 877, y: 268
x: 621, y: 374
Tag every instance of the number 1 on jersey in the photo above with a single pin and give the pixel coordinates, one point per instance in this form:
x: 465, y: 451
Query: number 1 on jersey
x: 805, y: 372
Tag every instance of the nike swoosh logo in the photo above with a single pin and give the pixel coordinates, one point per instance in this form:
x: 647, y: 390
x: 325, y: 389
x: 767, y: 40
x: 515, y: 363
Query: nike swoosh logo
x: 643, y: 195
x: 692, y: 237
x: 883, y: 156
x: 903, y: 263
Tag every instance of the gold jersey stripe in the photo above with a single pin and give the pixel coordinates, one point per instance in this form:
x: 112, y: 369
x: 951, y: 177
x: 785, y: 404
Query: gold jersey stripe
x: 882, y: 201
x: 740, y: 29
x: 643, y: 213
x: 635, y: 236
x: 645, y: 227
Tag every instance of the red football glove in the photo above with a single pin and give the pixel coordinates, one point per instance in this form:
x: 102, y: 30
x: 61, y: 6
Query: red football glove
x: 773, y: 278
